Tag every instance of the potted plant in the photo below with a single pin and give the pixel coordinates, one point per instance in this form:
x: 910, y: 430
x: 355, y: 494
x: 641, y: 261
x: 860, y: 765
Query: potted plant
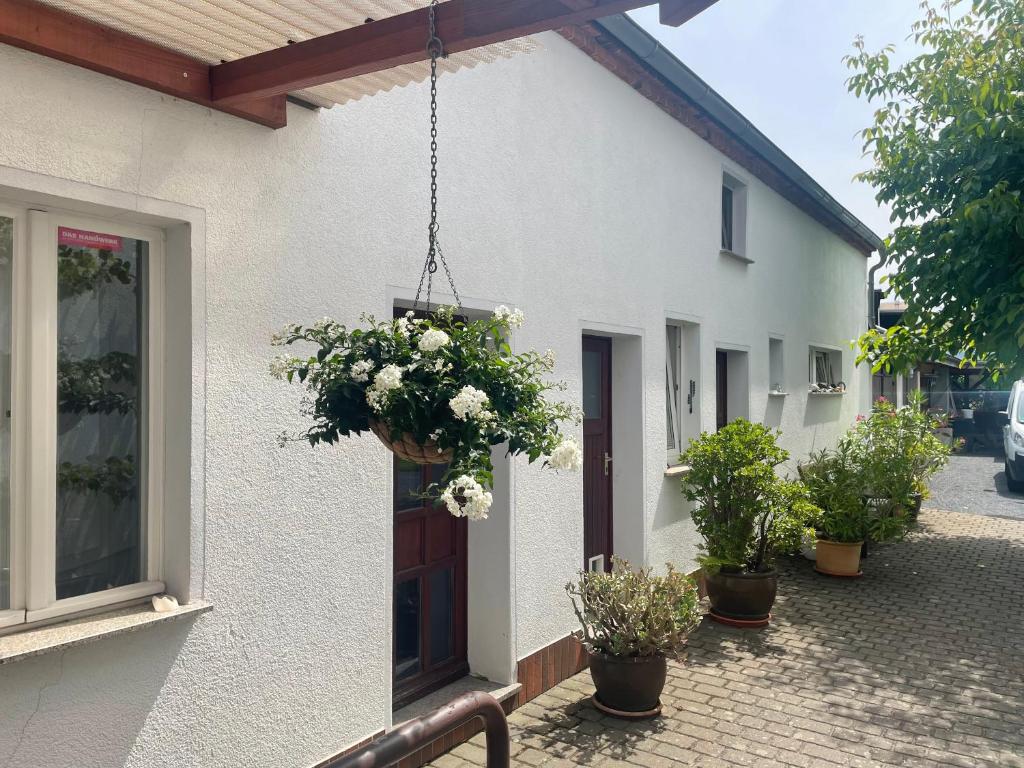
x: 745, y: 514
x: 434, y: 389
x: 632, y: 621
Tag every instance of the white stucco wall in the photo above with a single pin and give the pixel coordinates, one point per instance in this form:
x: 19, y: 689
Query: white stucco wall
x: 563, y: 192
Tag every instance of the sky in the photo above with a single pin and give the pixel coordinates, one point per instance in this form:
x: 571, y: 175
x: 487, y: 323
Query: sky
x: 779, y: 62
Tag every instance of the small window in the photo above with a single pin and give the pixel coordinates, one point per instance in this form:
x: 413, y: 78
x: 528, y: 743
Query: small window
x: 776, y: 367
x: 734, y: 215
x: 825, y: 369
x: 673, y: 410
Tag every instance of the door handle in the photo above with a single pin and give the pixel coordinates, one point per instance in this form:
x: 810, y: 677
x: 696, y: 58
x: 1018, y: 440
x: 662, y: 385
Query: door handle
x: 607, y: 461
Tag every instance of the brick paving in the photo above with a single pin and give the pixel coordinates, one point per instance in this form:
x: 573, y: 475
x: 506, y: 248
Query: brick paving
x: 919, y: 663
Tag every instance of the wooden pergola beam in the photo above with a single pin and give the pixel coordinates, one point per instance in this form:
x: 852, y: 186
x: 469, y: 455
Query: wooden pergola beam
x: 401, y: 39
x: 72, y: 39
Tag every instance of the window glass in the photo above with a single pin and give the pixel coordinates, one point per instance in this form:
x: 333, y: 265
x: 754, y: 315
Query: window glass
x: 442, y: 603
x: 408, y: 484
x: 1020, y: 406
x: 592, y: 373
x: 6, y: 261
x: 101, y: 323
x: 727, y: 211
x: 672, y: 386
x: 407, y: 629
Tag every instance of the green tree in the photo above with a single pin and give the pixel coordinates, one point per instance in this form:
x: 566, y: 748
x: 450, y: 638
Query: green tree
x: 948, y: 149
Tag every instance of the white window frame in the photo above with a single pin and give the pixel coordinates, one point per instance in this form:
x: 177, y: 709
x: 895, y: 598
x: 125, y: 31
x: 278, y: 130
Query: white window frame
x: 674, y: 391
x: 34, y: 419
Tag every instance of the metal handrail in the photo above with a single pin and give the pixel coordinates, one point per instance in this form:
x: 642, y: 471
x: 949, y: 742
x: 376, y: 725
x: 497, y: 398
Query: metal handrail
x: 416, y: 734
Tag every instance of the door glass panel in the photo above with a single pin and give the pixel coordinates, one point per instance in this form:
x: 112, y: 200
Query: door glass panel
x: 408, y: 482
x: 100, y: 330
x: 6, y: 261
x: 592, y: 383
x: 442, y: 600
x: 407, y: 629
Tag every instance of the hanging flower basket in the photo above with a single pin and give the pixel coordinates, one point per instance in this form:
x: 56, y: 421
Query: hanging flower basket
x: 436, y: 390
x: 406, y: 447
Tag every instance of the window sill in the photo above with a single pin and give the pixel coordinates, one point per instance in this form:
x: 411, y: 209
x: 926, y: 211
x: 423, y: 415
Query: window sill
x: 825, y: 394
x: 777, y: 394
x: 738, y: 256
x: 678, y: 470
x: 68, y: 634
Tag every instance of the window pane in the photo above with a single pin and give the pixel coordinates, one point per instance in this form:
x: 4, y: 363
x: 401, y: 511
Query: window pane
x: 100, y: 331
x: 672, y: 385
x: 592, y: 384
x: 727, y: 218
x: 408, y: 484
x: 442, y: 600
x: 6, y: 260
x: 407, y: 629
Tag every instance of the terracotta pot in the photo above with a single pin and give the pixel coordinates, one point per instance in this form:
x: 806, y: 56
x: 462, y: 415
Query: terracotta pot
x: 837, y: 558
x: 628, y: 684
x: 742, y: 598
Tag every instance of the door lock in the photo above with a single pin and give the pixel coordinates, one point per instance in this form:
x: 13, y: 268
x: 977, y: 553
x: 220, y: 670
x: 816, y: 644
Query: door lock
x: 607, y: 461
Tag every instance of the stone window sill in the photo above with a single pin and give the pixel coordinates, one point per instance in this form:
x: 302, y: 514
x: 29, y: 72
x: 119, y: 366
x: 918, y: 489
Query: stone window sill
x: 826, y: 394
x: 678, y: 470
x: 36, y: 641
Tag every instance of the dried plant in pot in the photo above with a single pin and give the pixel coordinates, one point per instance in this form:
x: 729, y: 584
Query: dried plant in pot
x: 746, y: 514
x: 632, y: 621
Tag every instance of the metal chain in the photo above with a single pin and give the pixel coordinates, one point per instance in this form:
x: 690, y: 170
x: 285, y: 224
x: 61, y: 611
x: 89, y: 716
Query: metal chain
x: 436, y: 50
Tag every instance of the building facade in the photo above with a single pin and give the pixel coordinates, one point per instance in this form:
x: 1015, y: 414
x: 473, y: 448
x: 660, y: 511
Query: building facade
x: 676, y: 286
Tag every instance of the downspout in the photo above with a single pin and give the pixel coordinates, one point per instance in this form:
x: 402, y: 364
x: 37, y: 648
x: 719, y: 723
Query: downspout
x: 872, y: 318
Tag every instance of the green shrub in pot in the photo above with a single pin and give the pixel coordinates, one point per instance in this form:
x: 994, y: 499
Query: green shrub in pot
x: 632, y: 620
x: 745, y: 514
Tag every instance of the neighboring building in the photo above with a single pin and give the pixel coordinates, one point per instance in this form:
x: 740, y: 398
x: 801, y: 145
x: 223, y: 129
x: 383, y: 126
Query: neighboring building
x: 679, y: 265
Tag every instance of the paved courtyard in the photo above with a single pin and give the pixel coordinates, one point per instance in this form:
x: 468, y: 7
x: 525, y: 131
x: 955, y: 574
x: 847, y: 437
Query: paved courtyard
x: 976, y: 482
x: 919, y: 663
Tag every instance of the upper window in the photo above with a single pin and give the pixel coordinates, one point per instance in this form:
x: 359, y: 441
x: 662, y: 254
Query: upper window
x: 79, y: 422
x: 734, y: 215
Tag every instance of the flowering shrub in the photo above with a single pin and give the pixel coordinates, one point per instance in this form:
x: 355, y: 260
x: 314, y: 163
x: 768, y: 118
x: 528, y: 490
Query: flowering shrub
x: 447, y: 383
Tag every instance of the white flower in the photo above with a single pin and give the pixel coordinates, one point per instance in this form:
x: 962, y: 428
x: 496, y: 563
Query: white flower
x: 282, y: 336
x: 433, y: 339
x: 389, y: 377
x: 567, y: 455
x: 513, y: 317
x: 281, y: 364
x: 323, y: 324
x: 469, y: 403
x: 549, y: 359
x: 361, y: 370
x: 465, y: 497
x: 402, y: 325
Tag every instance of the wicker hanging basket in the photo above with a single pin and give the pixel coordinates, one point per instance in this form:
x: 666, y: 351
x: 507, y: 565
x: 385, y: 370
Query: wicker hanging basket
x: 407, y: 448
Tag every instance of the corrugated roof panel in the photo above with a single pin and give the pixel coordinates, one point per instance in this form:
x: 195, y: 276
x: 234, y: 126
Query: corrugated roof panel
x: 224, y: 30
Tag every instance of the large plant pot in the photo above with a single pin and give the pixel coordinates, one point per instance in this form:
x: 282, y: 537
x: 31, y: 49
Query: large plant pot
x: 742, y: 599
x: 836, y: 558
x: 628, y: 687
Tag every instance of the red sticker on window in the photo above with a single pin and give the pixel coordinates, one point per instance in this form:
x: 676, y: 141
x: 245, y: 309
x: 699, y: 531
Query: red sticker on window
x: 80, y: 238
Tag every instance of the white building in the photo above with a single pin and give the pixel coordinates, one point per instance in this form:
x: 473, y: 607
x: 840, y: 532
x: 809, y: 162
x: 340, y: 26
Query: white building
x: 580, y: 182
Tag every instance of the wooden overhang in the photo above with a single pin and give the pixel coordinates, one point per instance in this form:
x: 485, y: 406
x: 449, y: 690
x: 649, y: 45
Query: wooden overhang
x: 255, y: 87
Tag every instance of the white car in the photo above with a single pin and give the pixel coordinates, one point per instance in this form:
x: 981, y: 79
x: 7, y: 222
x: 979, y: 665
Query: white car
x: 1013, y: 438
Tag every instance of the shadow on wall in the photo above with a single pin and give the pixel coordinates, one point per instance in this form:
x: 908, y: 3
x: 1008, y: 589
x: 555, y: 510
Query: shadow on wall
x: 822, y: 409
x: 773, y: 412
x: 89, y: 704
x: 672, y: 506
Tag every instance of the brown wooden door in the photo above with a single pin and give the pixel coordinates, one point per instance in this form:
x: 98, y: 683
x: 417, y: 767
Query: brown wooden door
x: 721, y: 389
x: 597, y: 449
x: 430, y: 588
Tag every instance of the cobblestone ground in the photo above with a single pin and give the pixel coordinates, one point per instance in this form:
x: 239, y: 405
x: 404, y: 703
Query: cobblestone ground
x: 919, y: 663
x: 976, y: 482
